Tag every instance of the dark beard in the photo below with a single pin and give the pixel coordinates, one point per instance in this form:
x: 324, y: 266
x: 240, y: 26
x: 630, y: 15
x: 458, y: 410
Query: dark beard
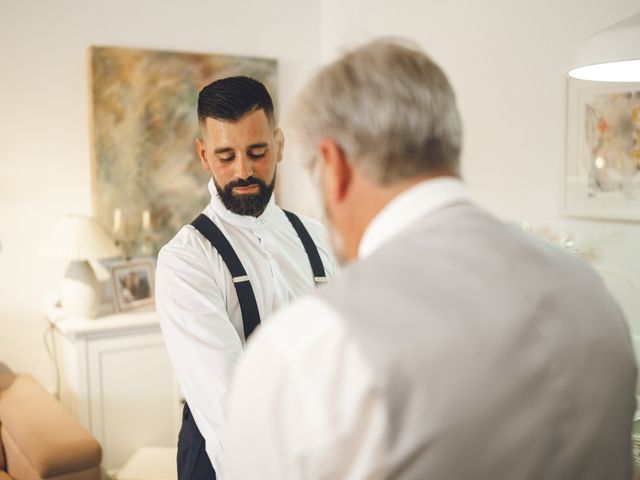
x: 249, y: 204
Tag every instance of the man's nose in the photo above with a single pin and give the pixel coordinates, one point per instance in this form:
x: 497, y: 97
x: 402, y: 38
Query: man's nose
x: 244, y: 167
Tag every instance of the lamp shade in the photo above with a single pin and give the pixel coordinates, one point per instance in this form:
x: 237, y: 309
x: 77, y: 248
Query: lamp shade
x: 610, y: 55
x: 79, y: 237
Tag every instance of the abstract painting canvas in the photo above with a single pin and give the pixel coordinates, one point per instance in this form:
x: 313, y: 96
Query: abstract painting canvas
x: 147, y: 178
x: 602, y: 172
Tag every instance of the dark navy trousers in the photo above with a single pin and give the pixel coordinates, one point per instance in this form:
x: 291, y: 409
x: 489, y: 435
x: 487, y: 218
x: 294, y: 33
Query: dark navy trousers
x: 193, y: 461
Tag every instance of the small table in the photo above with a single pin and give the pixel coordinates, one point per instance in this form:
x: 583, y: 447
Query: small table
x: 150, y: 463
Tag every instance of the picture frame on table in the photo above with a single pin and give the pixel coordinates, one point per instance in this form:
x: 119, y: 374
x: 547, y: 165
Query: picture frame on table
x: 602, y: 161
x: 133, y: 284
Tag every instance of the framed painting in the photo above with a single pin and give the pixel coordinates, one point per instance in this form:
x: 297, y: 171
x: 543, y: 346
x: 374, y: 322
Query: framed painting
x: 602, y: 165
x: 147, y: 178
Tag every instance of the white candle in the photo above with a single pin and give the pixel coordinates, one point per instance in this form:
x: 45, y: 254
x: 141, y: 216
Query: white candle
x: 117, y: 220
x: 146, y: 220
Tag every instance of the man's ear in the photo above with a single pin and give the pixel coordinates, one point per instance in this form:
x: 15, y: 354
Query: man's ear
x: 279, y: 136
x: 337, y: 172
x: 201, y: 148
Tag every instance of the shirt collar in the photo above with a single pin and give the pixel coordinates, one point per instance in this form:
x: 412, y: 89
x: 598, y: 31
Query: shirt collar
x: 407, y: 207
x: 243, y: 221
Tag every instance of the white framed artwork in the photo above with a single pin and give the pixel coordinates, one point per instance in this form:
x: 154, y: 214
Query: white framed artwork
x: 602, y: 162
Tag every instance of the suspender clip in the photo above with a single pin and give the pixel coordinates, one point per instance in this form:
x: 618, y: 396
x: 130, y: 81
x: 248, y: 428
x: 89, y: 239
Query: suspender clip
x: 243, y: 278
x: 320, y: 279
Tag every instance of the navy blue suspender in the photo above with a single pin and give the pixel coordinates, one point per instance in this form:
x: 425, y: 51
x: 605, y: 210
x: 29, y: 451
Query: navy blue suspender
x: 248, y: 305
x: 246, y: 297
x: 312, y: 251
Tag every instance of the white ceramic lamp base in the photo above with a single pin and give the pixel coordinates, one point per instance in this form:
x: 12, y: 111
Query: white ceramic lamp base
x: 80, y: 295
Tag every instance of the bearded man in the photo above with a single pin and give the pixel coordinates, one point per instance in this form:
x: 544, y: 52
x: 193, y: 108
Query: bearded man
x: 240, y: 259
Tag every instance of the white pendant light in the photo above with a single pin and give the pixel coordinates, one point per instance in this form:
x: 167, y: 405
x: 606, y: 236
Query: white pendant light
x: 610, y: 55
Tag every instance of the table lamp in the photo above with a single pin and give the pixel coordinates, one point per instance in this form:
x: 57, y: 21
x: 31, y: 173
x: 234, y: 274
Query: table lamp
x: 610, y: 55
x: 78, y: 239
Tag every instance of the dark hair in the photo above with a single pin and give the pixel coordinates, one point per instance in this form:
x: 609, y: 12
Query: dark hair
x: 231, y: 98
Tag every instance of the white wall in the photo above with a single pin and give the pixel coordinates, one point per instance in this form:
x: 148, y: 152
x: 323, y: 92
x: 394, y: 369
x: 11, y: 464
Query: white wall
x: 507, y: 61
x: 44, y: 119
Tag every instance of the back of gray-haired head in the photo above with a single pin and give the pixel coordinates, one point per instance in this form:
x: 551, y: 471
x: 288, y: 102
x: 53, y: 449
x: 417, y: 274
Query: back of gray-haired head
x: 389, y: 107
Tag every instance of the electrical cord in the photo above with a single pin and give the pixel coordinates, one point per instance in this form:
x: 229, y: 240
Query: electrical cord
x: 49, y: 339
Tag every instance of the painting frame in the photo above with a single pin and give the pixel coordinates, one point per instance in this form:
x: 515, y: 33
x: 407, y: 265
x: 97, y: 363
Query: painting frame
x: 143, y: 126
x: 578, y: 198
x: 127, y: 295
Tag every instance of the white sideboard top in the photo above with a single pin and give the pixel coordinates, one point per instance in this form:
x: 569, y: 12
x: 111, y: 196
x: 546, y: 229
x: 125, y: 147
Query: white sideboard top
x: 105, y: 325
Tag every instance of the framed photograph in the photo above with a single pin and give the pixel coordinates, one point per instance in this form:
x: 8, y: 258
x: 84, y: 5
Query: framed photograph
x: 602, y: 165
x: 133, y: 283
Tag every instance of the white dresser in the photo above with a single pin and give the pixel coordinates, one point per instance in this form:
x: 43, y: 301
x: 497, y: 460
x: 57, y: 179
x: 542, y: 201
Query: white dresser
x: 115, y: 377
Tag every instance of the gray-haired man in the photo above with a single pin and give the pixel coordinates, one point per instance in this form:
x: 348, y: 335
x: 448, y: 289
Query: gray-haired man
x: 455, y: 347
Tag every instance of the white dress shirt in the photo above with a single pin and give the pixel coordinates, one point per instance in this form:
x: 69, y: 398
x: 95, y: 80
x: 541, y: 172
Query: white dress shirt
x: 199, y: 310
x: 320, y: 413
x: 515, y: 362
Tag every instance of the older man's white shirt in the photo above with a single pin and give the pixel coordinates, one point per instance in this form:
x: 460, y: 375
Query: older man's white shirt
x: 305, y: 403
